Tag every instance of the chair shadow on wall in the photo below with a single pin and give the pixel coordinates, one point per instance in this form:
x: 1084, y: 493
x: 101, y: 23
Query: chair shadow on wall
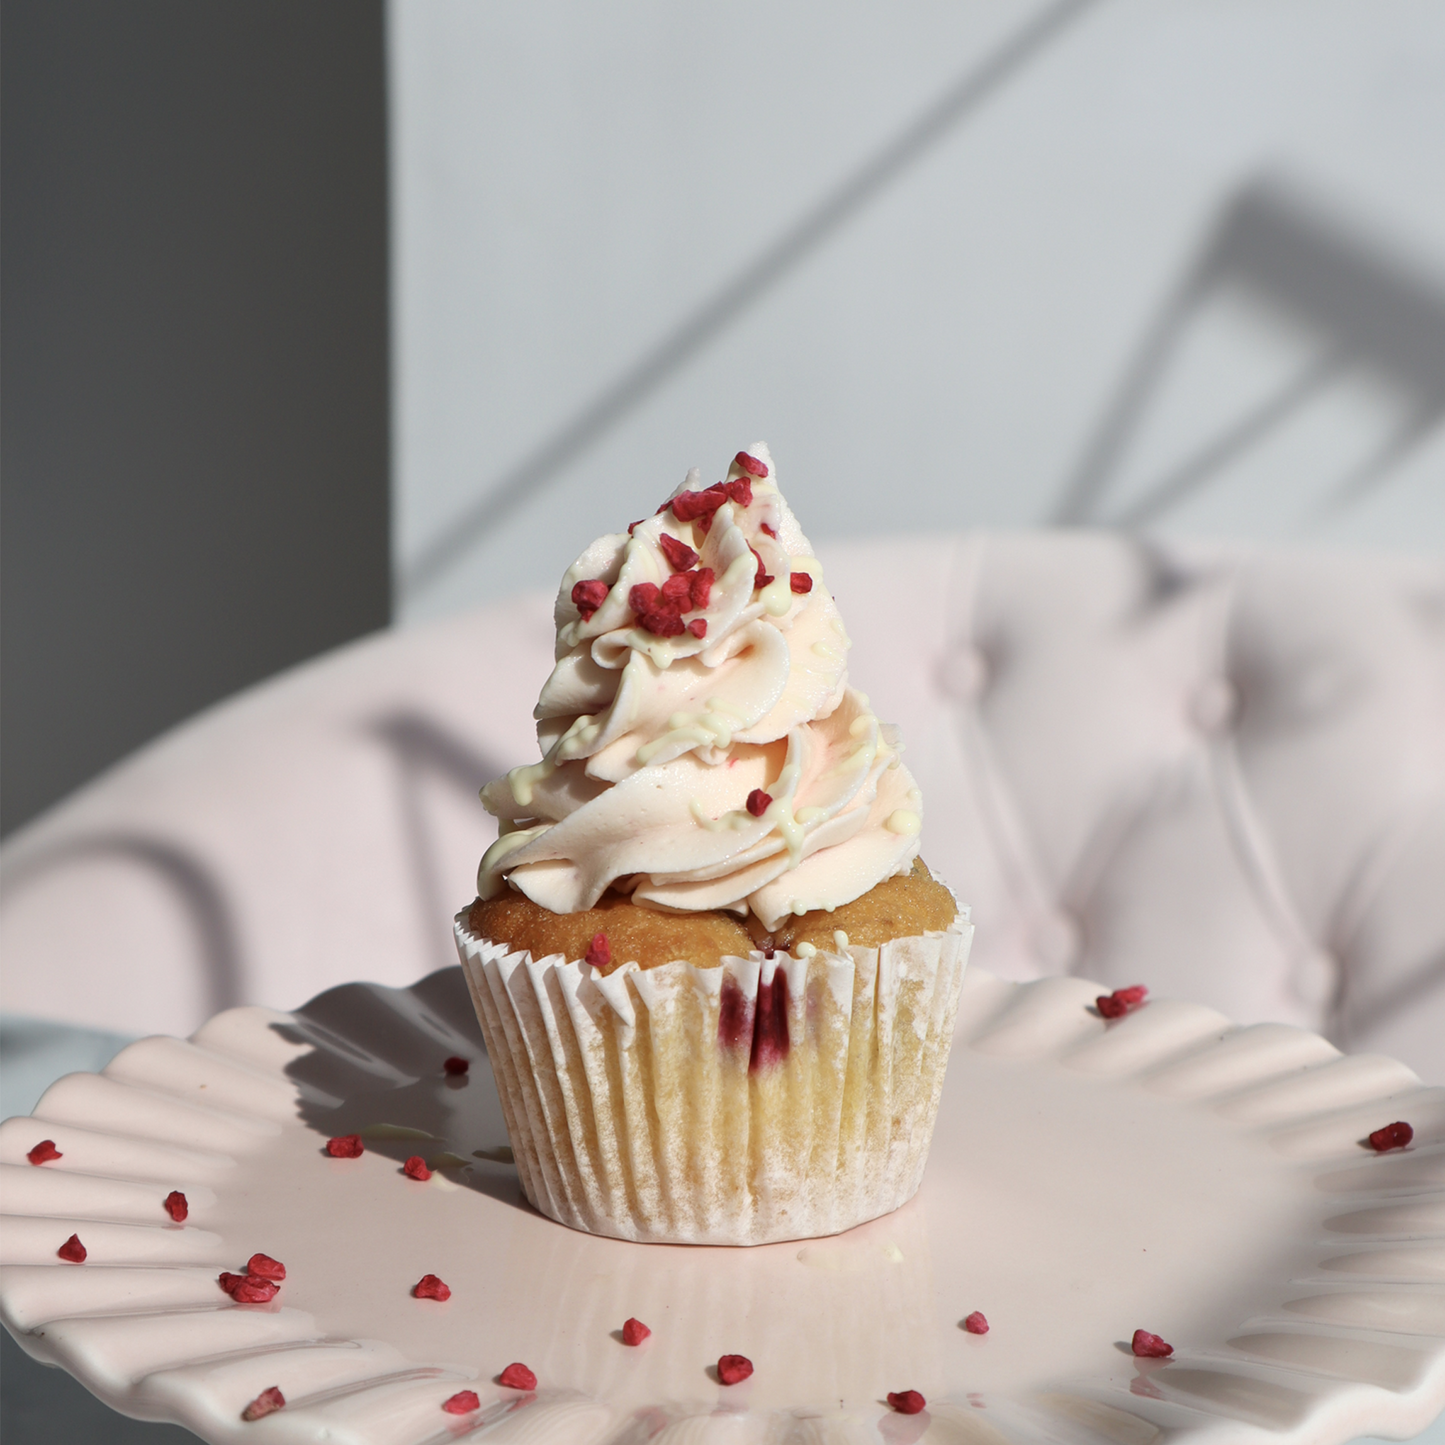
x: 779, y: 257
x: 1358, y: 310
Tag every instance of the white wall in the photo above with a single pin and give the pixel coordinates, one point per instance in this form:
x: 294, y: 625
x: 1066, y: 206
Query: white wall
x: 575, y: 184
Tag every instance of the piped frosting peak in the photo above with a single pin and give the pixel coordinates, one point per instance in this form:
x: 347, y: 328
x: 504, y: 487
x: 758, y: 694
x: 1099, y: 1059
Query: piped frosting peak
x: 700, y: 745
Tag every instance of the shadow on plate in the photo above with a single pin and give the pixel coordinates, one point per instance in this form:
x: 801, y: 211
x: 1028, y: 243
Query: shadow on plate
x: 375, y: 1068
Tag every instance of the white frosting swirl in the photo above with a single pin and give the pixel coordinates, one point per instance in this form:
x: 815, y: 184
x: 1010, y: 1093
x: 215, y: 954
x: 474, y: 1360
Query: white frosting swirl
x: 654, y: 746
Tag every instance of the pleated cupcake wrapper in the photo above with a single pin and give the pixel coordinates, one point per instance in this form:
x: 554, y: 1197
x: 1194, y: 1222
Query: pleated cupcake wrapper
x: 760, y: 1100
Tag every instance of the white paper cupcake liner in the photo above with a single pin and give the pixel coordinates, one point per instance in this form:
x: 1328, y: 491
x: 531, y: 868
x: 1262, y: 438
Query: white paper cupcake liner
x: 760, y: 1100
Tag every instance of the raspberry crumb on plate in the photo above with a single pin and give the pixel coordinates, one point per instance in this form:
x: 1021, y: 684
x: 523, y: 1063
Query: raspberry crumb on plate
x: 266, y: 1403
x: 1392, y: 1136
x: 1149, y: 1346
x: 732, y: 1368
x: 430, y: 1287
x: 44, y: 1152
x: 415, y: 1168
x: 1115, y: 1005
x: 906, y: 1402
x: 175, y: 1205
x: 975, y: 1323
x: 517, y: 1377
x: 456, y: 1065
x: 634, y: 1332
x: 345, y: 1146
x: 266, y: 1267
x: 250, y: 1289
x: 72, y: 1251
x: 462, y: 1403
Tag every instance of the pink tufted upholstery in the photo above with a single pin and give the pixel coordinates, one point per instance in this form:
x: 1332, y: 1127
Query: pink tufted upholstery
x: 1218, y: 773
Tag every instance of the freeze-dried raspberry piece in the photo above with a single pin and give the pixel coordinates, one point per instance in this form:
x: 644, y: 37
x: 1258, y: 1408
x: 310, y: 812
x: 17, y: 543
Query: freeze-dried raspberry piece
x: 679, y: 554
x: 634, y: 1332
x: 175, y: 1205
x: 762, y: 576
x: 906, y: 1402
x: 698, y: 627
x: 700, y: 583
x: 689, y: 506
x: 655, y: 613
x: 44, y: 1152
x: 1149, y: 1347
x: 599, y: 951
x: 266, y: 1267
x: 462, y: 1403
x: 229, y: 1281
x: 751, y: 465
x: 732, y: 1368
x: 759, y: 802
x: 72, y: 1251
x: 975, y: 1323
x: 1115, y: 1005
x: 676, y: 592
x: 455, y: 1065
x: 800, y: 582
x: 266, y: 1403
x: 415, y: 1168
x: 430, y: 1287
x: 589, y: 596
x: 771, y: 530
x: 517, y: 1377
x: 1392, y: 1136
x: 740, y: 490
x: 253, y: 1290
x: 663, y: 624
x: 347, y: 1146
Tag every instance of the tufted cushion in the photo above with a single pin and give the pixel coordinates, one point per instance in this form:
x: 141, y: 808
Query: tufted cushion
x: 1220, y: 773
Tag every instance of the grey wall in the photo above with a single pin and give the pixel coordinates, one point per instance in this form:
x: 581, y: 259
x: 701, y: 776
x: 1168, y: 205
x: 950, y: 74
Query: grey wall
x: 1173, y: 264
x: 195, y: 390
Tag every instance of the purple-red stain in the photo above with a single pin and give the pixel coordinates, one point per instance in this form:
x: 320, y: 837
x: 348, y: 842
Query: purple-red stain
x: 764, y: 1026
x: 735, y: 1016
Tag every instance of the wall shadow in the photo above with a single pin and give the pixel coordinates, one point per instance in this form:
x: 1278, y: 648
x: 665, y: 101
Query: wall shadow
x: 1359, y: 309
x: 765, y: 270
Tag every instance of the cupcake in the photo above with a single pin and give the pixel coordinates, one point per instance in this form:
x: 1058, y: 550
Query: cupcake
x: 716, y: 981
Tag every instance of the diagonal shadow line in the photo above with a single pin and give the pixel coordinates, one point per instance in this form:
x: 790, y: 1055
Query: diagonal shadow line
x: 734, y: 297
x: 1370, y: 474
x: 1189, y: 476
x: 1080, y: 501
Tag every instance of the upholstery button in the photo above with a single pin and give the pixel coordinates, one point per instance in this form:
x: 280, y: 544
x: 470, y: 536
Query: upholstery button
x: 963, y: 674
x: 1215, y: 705
x: 1056, y: 942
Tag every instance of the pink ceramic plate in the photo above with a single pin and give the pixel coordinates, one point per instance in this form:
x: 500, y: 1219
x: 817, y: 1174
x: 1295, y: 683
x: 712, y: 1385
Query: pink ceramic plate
x: 1168, y: 1172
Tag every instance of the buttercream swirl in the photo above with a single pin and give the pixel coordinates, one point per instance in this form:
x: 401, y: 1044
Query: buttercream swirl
x: 701, y: 747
